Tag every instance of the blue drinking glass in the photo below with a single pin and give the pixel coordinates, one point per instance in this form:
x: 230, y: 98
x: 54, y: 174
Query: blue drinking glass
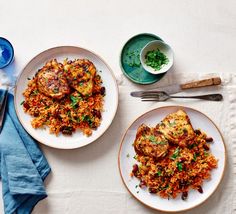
x: 6, y: 52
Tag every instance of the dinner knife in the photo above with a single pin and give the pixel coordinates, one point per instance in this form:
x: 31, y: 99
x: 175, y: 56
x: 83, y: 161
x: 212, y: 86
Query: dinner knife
x: 172, y: 89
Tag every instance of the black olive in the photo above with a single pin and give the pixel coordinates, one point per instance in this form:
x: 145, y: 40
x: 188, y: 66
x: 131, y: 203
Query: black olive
x: 206, y: 147
x: 182, y: 183
x: 209, y: 139
x: 36, y: 114
x: 102, y: 90
x: 96, y: 113
x: 67, y: 130
x: 26, y: 105
x: 135, y: 169
x: 152, y: 190
x: 142, y: 184
x: 197, y: 132
x: 200, y: 189
x: 184, y: 195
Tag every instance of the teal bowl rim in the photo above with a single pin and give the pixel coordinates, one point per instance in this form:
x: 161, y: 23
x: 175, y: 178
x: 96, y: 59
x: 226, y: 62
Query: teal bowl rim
x: 9, y: 62
x: 122, y: 69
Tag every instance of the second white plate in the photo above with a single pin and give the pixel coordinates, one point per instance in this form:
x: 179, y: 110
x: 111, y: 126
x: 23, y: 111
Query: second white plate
x: 126, y: 160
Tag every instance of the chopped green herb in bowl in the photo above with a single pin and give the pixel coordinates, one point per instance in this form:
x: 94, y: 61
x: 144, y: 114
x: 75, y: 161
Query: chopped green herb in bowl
x: 156, y: 57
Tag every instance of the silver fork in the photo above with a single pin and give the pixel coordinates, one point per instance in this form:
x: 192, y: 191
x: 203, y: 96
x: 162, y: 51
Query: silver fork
x: 163, y: 96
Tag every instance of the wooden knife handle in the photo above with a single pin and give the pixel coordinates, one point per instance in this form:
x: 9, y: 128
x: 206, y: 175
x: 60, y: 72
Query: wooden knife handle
x: 201, y: 83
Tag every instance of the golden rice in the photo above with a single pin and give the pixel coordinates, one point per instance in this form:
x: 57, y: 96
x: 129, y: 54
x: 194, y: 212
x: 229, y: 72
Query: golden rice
x: 182, y: 169
x: 68, y: 114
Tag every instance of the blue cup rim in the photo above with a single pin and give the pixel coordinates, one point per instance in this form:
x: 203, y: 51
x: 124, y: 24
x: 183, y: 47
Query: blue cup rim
x: 12, y: 49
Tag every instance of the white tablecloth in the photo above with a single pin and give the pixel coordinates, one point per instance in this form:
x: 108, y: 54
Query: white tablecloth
x: 203, y: 37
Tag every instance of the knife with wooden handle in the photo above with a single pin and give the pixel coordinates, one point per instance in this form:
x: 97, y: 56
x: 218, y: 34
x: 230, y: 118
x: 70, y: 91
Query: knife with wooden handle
x: 172, y: 89
x: 201, y: 83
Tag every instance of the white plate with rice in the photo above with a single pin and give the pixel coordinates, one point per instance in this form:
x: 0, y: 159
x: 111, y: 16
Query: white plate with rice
x: 126, y: 161
x: 77, y: 139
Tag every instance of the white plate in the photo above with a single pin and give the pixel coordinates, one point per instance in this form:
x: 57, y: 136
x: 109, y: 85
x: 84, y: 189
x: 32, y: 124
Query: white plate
x: 126, y: 160
x: 77, y: 139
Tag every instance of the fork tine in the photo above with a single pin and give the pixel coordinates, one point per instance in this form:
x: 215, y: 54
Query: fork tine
x: 150, y: 96
x: 150, y: 92
x: 147, y: 100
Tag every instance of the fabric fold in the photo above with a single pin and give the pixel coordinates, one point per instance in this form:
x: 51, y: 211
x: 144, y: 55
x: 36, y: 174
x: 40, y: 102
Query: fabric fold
x: 23, y: 166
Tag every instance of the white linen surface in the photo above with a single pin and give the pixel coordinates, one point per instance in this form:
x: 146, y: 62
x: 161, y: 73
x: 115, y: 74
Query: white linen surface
x: 203, y: 36
x: 87, y: 180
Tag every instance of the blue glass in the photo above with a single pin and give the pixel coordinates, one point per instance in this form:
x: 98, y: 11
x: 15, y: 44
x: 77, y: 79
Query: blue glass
x: 6, y: 52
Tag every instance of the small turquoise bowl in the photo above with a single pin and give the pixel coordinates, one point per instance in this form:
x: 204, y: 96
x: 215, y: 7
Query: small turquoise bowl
x: 130, y: 62
x: 6, y: 52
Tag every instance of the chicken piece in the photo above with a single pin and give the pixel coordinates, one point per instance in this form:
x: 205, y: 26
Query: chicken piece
x: 81, y: 73
x: 177, y: 128
x: 150, y: 142
x: 51, y: 80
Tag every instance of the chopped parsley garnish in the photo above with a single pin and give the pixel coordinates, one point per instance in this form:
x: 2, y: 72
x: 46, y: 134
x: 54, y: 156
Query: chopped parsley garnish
x: 22, y: 102
x: 194, y: 157
x: 87, y: 119
x: 163, y: 188
x: 28, y: 78
x: 133, y: 58
x: 172, y: 123
x: 152, y: 138
x: 159, y: 173
x: 175, y: 154
x: 156, y: 59
x: 191, y: 146
x: 82, y: 117
x: 160, y: 142
x: 56, y: 90
x: 35, y: 92
x: 180, y: 166
x: 127, y: 155
x: 74, y: 100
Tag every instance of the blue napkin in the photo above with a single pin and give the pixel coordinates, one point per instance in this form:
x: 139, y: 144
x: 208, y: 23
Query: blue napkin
x: 23, y: 166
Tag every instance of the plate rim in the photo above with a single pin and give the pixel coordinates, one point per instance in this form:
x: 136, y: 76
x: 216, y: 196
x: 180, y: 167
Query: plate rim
x: 59, y: 47
x: 158, y: 108
x: 120, y: 61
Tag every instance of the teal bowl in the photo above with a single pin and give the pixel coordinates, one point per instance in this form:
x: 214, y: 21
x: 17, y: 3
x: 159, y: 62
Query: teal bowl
x: 130, y: 60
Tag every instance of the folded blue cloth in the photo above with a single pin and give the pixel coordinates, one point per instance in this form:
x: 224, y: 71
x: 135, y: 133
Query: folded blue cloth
x: 23, y: 166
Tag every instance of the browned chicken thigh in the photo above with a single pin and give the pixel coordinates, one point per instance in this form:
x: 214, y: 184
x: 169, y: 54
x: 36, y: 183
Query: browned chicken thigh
x: 51, y: 80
